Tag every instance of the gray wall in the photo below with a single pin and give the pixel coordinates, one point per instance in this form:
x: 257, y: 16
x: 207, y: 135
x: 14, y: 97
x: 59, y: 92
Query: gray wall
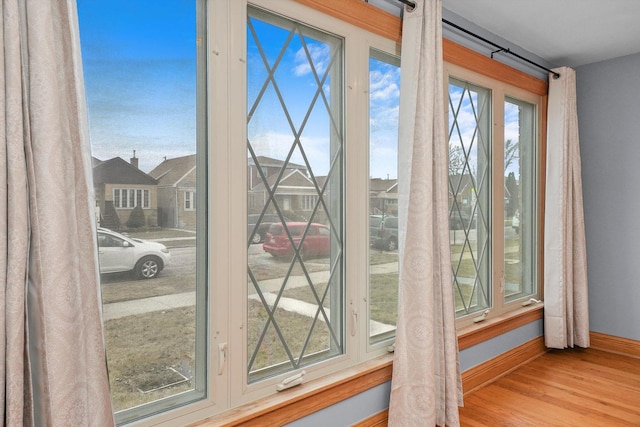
x: 372, y: 401
x: 609, y: 121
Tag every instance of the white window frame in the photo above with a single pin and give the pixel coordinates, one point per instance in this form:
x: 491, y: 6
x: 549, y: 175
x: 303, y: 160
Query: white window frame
x: 308, y: 202
x: 499, y: 92
x: 125, y: 202
x: 189, y: 200
x: 229, y: 159
x: 226, y: 346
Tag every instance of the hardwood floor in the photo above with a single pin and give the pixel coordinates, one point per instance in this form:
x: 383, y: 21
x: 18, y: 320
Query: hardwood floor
x: 576, y: 387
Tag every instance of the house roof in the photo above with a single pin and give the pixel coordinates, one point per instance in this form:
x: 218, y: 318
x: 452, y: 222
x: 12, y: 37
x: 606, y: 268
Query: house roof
x: 176, y: 172
x: 270, y: 162
x: 119, y: 171
x: 293, y: 180
x: 460, y: 183
x: 95, y: 161
x: 379, y: 184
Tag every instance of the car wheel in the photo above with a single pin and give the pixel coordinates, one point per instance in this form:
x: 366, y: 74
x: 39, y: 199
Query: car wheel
x: 392, y: 245
x: 257, y: 238
x: 148, y: 267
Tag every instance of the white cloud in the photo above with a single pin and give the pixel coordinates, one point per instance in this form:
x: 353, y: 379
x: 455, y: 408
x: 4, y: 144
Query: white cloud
x: 512, y: 131
x: 320, y: 58
x: 384, y: 86
x: 277, y: 146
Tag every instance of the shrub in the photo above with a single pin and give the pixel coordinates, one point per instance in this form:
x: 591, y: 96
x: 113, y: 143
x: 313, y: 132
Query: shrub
x: 136, y: 218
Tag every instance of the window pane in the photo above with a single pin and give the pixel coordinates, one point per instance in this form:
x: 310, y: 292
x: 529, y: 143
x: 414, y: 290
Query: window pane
x: 519, y: 195
x: 384, y: 98
x: 295, y: 260
x: 469, y: 194
x: 140, y: 68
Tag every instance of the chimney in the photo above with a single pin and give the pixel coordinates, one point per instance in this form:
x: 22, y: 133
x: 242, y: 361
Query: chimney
x: 134, y: 160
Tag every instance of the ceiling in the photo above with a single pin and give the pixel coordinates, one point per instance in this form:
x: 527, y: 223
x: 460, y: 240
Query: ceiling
x: 565, y: 32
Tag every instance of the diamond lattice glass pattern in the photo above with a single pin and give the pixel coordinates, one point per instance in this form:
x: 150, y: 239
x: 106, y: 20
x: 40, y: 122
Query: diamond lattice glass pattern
x: 469, y: 194
x: 294, y: 195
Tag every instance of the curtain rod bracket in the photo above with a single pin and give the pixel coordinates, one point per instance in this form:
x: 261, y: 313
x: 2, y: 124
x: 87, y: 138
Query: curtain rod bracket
x: 502, y: 49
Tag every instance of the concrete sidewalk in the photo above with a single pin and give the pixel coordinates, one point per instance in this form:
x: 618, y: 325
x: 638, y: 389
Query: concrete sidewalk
x: 116, y: 310
x: 167, y: 302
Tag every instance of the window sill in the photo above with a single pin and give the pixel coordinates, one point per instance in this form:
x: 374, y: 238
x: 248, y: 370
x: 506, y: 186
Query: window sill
x: 490, y: 328
x: 293, y: 404
x: 290, y: 405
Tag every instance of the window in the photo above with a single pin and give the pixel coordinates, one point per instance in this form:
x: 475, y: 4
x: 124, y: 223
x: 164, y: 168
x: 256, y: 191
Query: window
x: 145, y: 84
x: 309, y: 202
x: 296, y: 283
x: 519, y: 198
x: 493, y: 139
x: 288, y: 127
x: 141, y: 63
x: 305, y: 168
x: 189, y: 200
x: 130, y: 198
x: 384, y: 99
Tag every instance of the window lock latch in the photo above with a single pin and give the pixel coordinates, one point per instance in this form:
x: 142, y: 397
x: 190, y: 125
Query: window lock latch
x: 481, y: 317
x: 291, y: 381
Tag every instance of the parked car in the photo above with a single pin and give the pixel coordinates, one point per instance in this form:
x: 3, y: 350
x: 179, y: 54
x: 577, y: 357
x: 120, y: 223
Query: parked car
x: 459, y: 220
x: 383, y: 232
x: 118, y: 253
x: 262, y: 227
x: 317, y: 241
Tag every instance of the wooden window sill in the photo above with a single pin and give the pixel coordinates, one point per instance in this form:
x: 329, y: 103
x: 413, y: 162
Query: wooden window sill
x: 293, y: 404
x: 490, y: 328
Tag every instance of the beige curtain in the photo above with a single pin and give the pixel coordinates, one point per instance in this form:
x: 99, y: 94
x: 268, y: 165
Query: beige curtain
x: 52, y: 359
x: 426, y: 388
x: 566, y: 311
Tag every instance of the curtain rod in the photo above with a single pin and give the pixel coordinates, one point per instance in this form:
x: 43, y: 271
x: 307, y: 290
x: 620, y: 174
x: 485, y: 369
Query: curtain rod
x: 500, y: 48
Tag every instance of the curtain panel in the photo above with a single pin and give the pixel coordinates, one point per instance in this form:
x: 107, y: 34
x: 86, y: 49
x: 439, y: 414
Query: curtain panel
x: 53, y: 366
x: 566, y: 310
x: 426, y: 387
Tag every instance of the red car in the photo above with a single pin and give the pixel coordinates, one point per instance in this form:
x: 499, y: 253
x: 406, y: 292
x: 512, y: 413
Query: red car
x: 317, y: 241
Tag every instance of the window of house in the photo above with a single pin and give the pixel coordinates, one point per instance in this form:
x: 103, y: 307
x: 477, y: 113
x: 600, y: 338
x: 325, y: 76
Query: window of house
x: 130, y: 198
x: 141, y: 66
x: 306, y: 174
x: 189, y: 200
x: 493, y: 140
x: 309, y: 202
x: 300, y: 150
x: 295, y: 304
x: 384, y: 100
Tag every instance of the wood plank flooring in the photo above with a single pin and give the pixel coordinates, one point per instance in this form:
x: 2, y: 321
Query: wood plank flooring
x: 576, y: 387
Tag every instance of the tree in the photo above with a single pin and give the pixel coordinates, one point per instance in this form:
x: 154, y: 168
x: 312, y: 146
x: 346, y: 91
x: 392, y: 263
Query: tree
x: 456, y: 160
x: 511, y: 153
x: 511, y: 186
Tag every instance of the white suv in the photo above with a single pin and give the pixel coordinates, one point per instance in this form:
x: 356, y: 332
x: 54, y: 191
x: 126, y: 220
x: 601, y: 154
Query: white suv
x: 119, y: 253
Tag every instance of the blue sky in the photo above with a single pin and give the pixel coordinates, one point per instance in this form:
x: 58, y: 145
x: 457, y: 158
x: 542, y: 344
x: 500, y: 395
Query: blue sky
x: 139, y: 66
x: 140, y: 78
x: 270, y: 132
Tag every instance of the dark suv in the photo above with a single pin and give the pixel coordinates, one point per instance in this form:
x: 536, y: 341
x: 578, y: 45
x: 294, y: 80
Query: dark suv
x: 460, y: 220
x: 262, y: 227
x: 383, y: 232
